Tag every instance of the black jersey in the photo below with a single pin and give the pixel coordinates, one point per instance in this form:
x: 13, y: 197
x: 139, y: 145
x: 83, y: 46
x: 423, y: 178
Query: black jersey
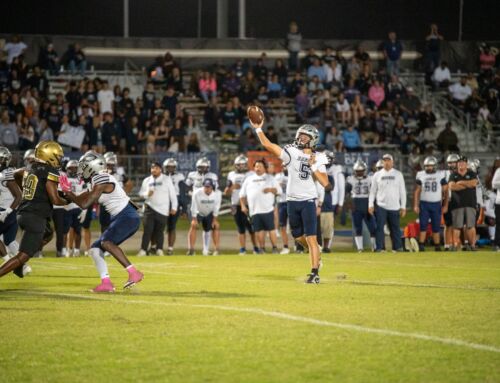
x: 35, y: 198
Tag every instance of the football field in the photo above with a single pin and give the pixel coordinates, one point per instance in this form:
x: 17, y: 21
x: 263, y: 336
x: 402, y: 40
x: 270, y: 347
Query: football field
x: 428, y: 317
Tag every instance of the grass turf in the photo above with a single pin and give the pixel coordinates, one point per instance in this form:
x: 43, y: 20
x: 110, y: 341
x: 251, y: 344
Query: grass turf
x: 251, y: 319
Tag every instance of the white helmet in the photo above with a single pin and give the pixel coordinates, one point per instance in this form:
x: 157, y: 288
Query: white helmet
x: 359, y: 169
x: 241, y: 163
x: 452, y: 159
x: 203, y: 165
x: 310, y: 131
x: 5, y: 157
x: 72, y: 164
x: 29, y: 156
x: 169, y: 163
x: 474, y: 165
x: 430, y: 164
x: 110, y: 158
x: 90, y: 164
x: 379, y: 165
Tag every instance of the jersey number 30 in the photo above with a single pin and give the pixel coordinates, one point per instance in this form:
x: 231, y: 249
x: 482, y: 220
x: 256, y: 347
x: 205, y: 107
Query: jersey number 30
x: 29, y: 187
x: 304, y: 171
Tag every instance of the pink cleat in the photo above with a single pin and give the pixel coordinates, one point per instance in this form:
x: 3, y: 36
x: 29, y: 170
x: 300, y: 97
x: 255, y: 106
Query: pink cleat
x: 105, y: 287
x: 134, y: 277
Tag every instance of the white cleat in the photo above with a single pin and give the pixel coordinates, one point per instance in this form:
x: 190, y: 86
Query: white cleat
x: 285, y: 250
x: 76, y: 253
x: 26, y: 269
x: 107, y: 253
x: 159, y: 252
x: 141, y: 253
x: 215, y: 253
x: 205, y: 253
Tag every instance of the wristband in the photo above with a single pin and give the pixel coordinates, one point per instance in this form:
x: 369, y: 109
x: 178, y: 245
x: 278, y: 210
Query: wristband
x: 8, y: 210
x: 258, y: 130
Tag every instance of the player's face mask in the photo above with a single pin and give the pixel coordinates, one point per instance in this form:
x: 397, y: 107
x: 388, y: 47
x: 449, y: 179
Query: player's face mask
x: 430, y: 169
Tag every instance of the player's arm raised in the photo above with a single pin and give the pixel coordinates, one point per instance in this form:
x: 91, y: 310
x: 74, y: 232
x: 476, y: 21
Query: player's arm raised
x: 268, y: 145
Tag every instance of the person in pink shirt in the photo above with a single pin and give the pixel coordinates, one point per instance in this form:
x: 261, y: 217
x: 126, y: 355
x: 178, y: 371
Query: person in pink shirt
x: 487, y: 59
x: 207, y: 86
x: 376, y: 93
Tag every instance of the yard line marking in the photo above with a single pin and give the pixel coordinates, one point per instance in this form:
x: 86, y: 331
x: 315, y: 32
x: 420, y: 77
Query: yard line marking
x: 389, y: 263
x: 62, y: 266
x: 290, y: 317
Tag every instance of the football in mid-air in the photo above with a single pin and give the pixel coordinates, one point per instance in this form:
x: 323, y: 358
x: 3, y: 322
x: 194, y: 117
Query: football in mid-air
x: 255, y: 114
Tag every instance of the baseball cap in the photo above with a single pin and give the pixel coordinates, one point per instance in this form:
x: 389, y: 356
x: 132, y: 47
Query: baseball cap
x: 387, y: 156
x: 208, y: 182
x: 155, y: 163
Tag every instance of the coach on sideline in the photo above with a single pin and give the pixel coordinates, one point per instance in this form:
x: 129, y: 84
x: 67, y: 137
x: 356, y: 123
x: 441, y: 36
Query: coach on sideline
x: 388, y: 189
x: 260, y: 190
x: 161, y: 201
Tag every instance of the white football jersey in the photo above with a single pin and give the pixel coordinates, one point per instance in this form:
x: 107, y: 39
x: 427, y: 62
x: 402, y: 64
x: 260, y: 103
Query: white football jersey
x: 77, y: 188
x: 301, y: 186
x: 282, y: 179
x: 115, y: 201
x: 338, y: 192
x: 6, y: 197
x: 204, y: 205
x: 258, y: 201
x: 432, y: 185
x: 360, y: 187
x: 177, y: 178
x: 195, y: 179
x: 237, y: 179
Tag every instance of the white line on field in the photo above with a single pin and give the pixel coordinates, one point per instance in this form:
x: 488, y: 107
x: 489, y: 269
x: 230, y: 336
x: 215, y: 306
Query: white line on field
x: 290, y: 317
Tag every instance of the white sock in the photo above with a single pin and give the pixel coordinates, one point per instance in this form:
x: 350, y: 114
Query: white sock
x: 100, y: 263
x: 13, y: 247
x: 206, y: 240
x: 359, y: 242
x: 374, y: 243
x: 491, y: 232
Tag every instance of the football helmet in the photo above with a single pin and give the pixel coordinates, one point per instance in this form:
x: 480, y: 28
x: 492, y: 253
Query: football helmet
x: 50, y: 153
x: 241, y: 163
x: 359, y: 168
x: 90, y: 164
x: 309, y: 131
x: 430, y: 164
x: 5, y: 157
x: 203, y: 165
x: 169, y: 166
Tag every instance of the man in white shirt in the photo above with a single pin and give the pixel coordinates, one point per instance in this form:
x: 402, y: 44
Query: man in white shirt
x: 441, y: 76
x: 14, y: 49
x: 105, y: 97
x: 161, y: 201
x: 259, y: 191
x: 460, y: 91
x: 495, y: 184
x: 388, y: 189
x: 170, y: 169
x: 205, y: 207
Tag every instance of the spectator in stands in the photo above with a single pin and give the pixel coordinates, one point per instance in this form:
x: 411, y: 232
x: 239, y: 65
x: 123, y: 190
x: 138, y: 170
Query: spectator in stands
x: 487, y: 59
x: 169, y: 101
x: 260, y: 71
x: 432, y: 49
x: 409, y: 104
x: 400, y: 136
x: 333, y: 75
x: 207, y: 86
x: 45, y: 133
x: 351, y: 91
x: 376, y: 94
x: 441, y: 77
x: 447, y: 140
x: 251, y: 81
x: 333, y: 139
x: 460, y: 92
x: 295, y: 85
x: 76, y: 59
x: 38, y: 81
x: 426, y: 118
x: 351, y: 139
x: 8, y: 132
x: 353, y: 68
x: 229, y: 123
x: 280, y: 71
x: 362, y: 55
x: 174, y: 80
x: 148, y: 96
x: 392, y: 50
x: 271, y: 135
x: 110, y: 133
x: 239, y: 68
x: 316, y: 69
x: 263, y: 96
x: 16, y: 47
x: 274, y: 87
x: 294, y: 46
x: 343, y: 109
x: 394, y: 89
x: 193, y: 144
x: 231, y: 84
x: 177, y: 137
x: 105, y: 98
x: 309, y: 58
x: 246, y: 94
x: 357, y: 110
x: 302, y: 104
x: 48, y: 59
x: 248, y: 141
x: 315, y: 84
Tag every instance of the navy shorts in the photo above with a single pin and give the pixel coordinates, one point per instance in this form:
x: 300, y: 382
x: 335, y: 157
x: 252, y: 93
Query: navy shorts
x: 206, y: 222
x: 302, y: 217
x: 88, y: 219
x: 104, y: 218
x: 282, y: 214
x: 242, y: 222
x: 430, y: 211
x: 71, y: 220
x: 122, y: 227
x: 8, y: 228
x: 172, y: 221
x: 263, y: 222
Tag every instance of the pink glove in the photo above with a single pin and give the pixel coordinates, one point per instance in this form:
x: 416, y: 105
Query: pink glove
x: 64, y: 183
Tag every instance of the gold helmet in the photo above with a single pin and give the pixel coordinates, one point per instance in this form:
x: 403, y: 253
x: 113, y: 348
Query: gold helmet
x: 50, y: 153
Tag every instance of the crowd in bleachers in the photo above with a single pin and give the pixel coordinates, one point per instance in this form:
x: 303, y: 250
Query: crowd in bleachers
x: 354, y: 101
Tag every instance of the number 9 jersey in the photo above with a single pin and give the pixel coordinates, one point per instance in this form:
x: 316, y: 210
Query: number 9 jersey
x: 301, y: 185
x: 432, y: 185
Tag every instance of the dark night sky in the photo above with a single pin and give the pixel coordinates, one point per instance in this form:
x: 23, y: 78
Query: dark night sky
x: 318, y: 19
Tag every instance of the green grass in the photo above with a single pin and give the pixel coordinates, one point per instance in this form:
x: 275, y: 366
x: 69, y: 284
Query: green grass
x: 251, y: 319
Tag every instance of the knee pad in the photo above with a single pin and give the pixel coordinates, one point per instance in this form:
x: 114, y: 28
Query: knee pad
x: 13, y: 247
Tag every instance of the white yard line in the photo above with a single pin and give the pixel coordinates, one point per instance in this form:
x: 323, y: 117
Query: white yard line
x: 285, y: 316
